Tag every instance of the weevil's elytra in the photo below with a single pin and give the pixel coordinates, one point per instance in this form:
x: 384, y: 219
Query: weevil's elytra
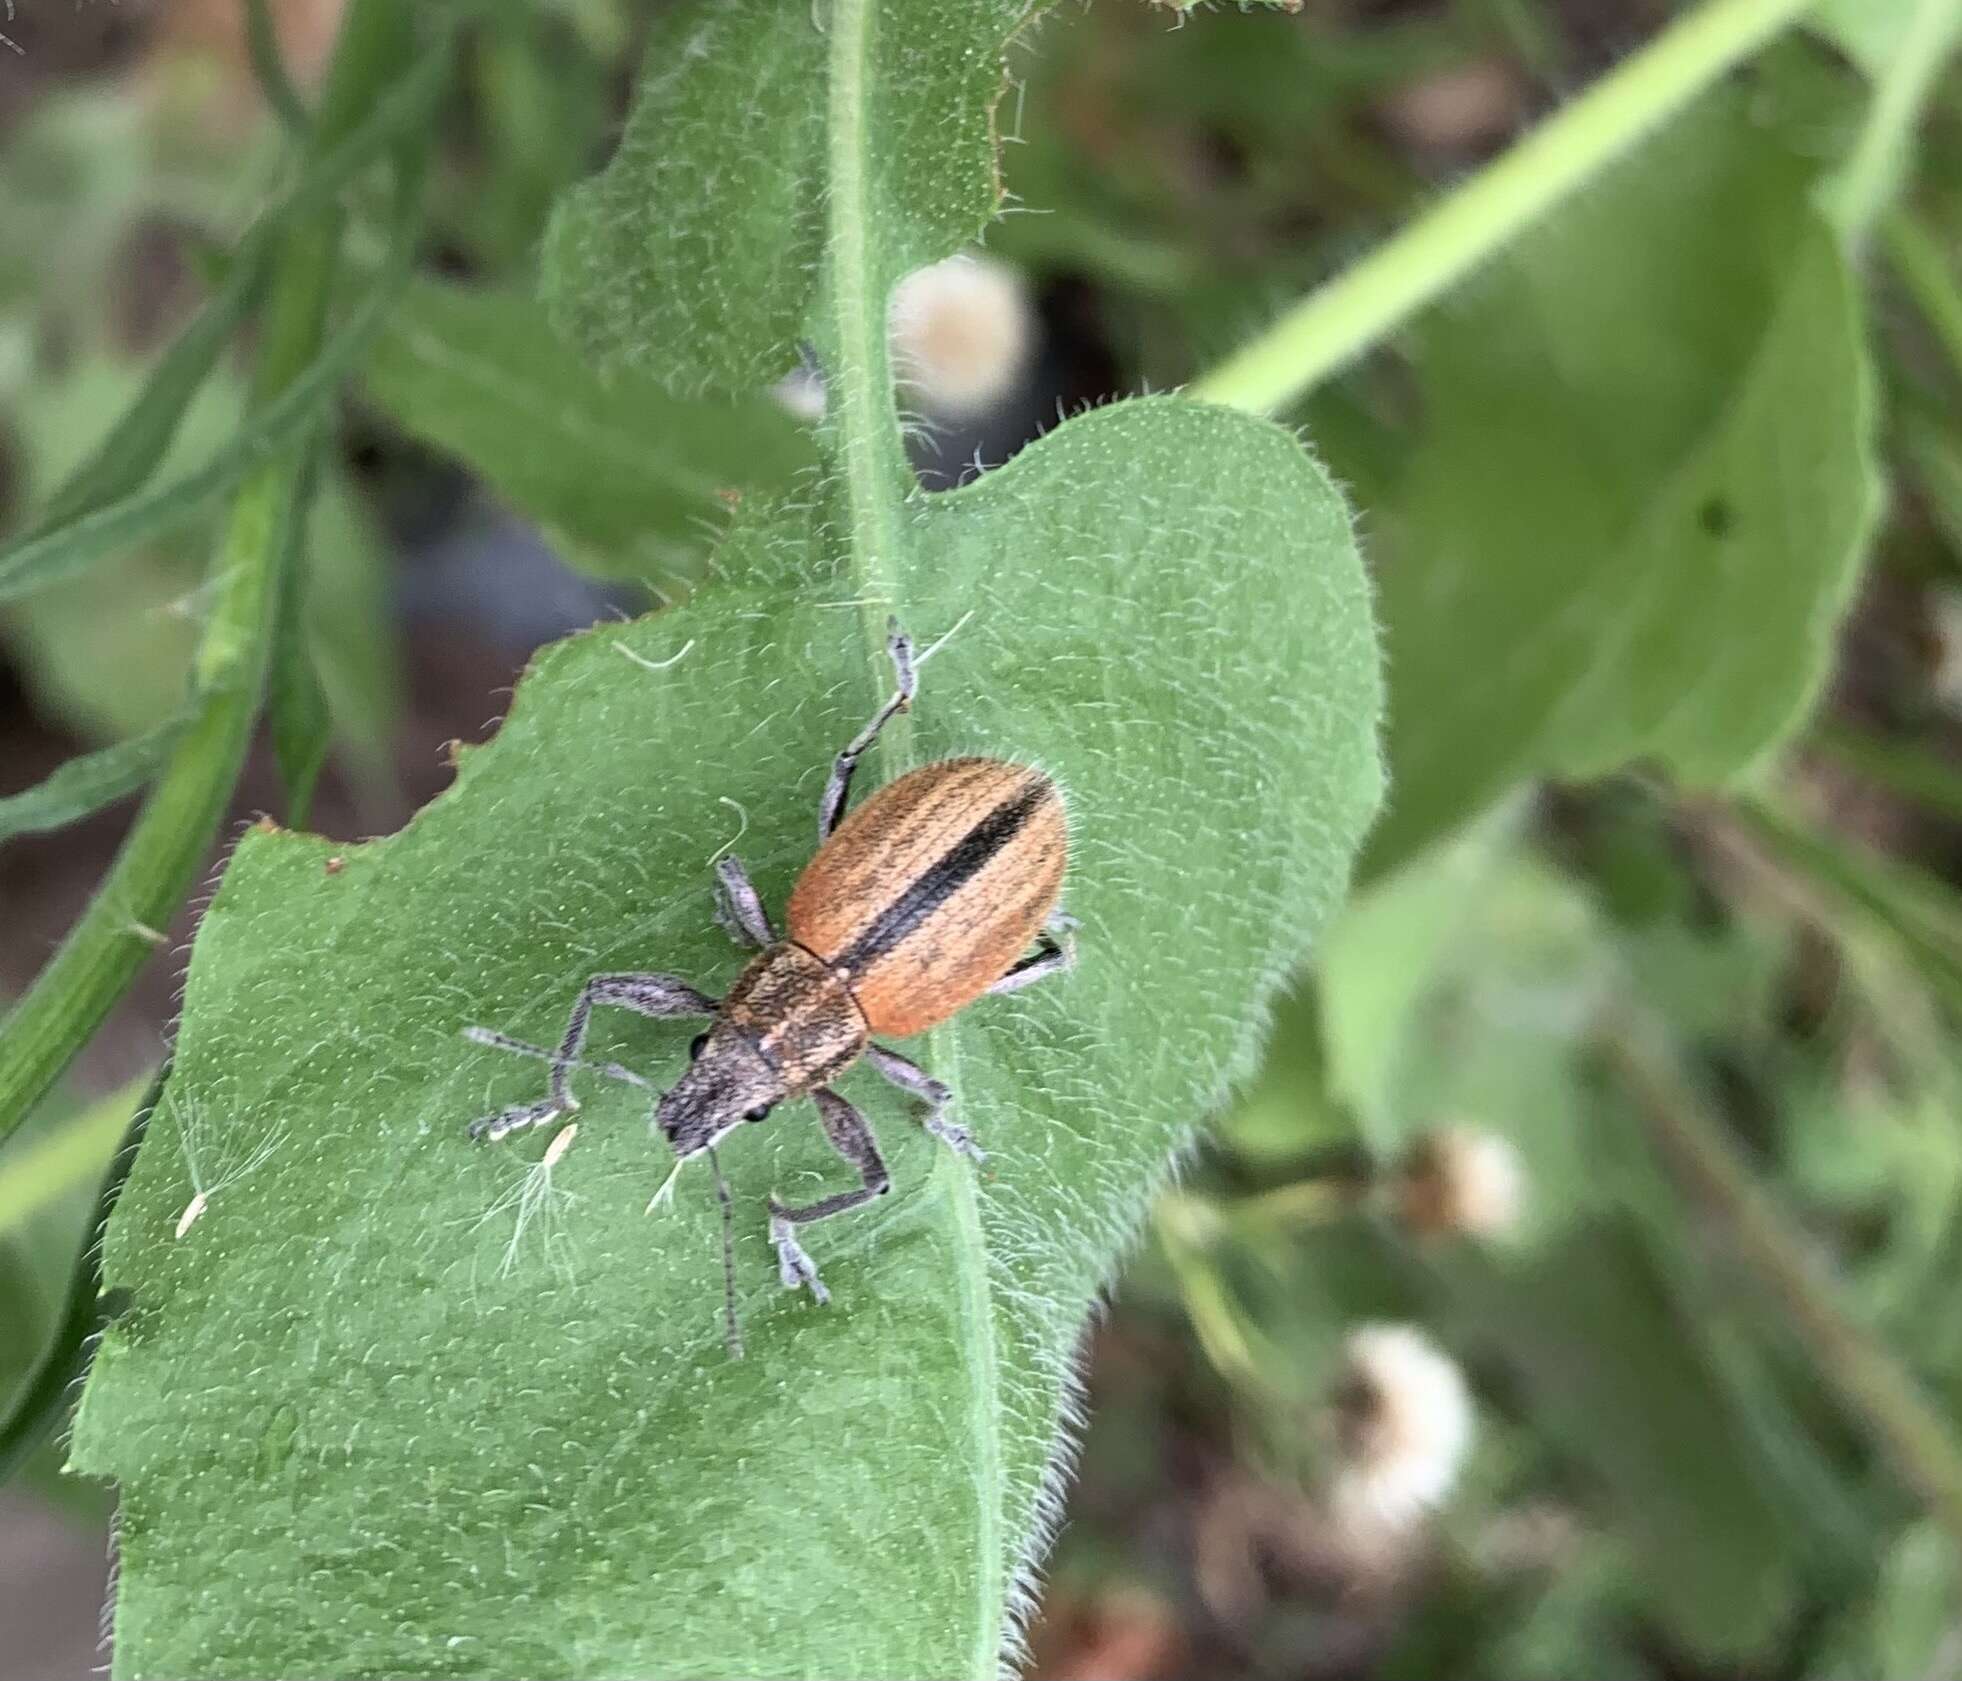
x: 932, y: 889
x: 923, y: 900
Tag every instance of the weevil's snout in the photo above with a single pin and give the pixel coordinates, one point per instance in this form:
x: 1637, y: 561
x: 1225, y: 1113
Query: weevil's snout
x: 727, y: 1083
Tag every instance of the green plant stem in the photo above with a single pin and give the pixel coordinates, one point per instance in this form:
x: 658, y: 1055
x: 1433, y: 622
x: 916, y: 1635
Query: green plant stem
x: 859, y: 359
x: 1873, y: 172
x: 877, y: 480
x: 1306, y: 1202
x: 1356, y: 310
x: 1871, y: 1383
x: 1917, y: 257
x: 1186, y: 1228
x: 158, y: 861
x: 1914, y: 772
x: 269, y: 69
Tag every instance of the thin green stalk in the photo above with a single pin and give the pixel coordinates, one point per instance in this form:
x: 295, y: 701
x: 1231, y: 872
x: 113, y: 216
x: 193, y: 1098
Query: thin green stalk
x: 858, y: 357
x: 123, y: 924
x: 269, y: 69
x: 1356, y: 310
x: 1917, y: 257
x: 1872, y: 174
x: 1917, y: 773
x: 1875, y: 1388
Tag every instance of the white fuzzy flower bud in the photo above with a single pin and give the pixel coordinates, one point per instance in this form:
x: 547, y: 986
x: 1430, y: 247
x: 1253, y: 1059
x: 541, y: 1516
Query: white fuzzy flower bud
x: 1403, y: 1425
x: 1461, y: 1182
x: 962, y: 332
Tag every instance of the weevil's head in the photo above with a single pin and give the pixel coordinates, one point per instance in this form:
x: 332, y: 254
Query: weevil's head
x: 726, y: 1084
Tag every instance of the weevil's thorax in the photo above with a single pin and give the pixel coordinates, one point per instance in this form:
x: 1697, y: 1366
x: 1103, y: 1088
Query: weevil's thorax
x: 798, y: 1015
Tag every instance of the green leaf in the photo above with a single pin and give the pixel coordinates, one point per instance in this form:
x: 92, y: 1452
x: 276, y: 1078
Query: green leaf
x: 625, y: 480
x: 1644, y: 490
x: 1393, y: 947
x: 88, y: 783
x: 56, y: 1191
x: 109, y: 652
x: 352, y: 633
x: 725, y: 168
x: 1916, y: 1609
x: 269, y: 69
x: 296, y: 705
x: 518, y: 1403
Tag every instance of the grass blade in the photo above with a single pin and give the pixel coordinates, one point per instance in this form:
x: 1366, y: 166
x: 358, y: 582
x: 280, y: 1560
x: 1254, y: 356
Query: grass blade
x: 122, y: 464
x: 59, y: 554
x: 86, y: 784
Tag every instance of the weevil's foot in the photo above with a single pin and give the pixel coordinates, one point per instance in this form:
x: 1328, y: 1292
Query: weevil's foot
x: 794, y: 1267
x: 490, y: 1129
x: 955, y: 1136
x: 899, y: 649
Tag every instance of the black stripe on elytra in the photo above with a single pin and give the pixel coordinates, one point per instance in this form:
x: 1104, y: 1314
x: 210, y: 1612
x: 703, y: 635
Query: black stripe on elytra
x: 944, y: 877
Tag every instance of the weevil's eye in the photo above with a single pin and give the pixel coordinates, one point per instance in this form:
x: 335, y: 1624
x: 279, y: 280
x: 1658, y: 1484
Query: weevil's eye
x: 759, y: 1113
x: 695, y: 1045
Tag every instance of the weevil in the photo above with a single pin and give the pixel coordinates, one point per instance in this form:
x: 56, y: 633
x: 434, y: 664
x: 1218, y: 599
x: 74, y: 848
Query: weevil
x: 929, y: 895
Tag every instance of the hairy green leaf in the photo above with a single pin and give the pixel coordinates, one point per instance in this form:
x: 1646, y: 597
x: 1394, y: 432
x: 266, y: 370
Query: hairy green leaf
x: 1644, y: 489
x: 432, y: 1408
x: 724, y: 170
x: 624, y: 479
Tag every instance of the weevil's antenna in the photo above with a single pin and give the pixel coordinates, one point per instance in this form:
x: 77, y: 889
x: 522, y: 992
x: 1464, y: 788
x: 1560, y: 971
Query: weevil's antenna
x: 732, y: 1332
x: 504, y: 1042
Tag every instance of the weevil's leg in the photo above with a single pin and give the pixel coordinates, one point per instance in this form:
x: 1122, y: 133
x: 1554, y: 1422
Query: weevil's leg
x: 491, y: 1128
x: 739, y: 907
x: 852, y: 1139
x: 648, y: 995
x: 832, y: 807
x: 1053, y: 955
x: 910, y: 1076
x: 654, y: 996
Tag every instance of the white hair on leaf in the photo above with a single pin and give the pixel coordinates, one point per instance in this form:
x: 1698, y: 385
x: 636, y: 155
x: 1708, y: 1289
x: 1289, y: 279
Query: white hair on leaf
x: 217, y: 1154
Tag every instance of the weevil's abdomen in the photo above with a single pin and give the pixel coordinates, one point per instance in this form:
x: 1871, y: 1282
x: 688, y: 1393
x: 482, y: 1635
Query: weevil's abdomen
x: 933, y: 888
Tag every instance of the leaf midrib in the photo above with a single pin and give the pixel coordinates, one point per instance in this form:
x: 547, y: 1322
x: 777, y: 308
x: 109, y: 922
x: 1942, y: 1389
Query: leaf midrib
x: 859, y: 377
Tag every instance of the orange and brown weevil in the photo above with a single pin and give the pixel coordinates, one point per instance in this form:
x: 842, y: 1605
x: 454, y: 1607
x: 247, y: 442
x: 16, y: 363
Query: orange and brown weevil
x: 927, y: 897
